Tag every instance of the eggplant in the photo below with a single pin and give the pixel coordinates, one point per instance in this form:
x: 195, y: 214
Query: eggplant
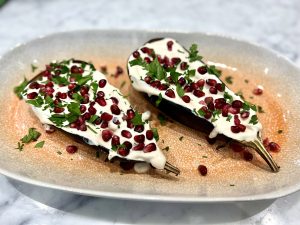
x: 180, y: 84
x: 76, y: 98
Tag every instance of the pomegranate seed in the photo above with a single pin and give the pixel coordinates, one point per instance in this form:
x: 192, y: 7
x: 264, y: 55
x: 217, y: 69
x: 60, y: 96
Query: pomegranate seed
x: 245, y: 115
x: 194, y: 86
x: 181, y: 81
x: 147, y: 60
x: 155, y: 83
x: 102, y: 83
x: 208, y: 100
x: 139, y: 128
x: 115, y: 109
x: 71, y: 86
x: 116, y: 121
x: 242, y: 127
x: 80, y: 120
x: 87, y: 116
x: 123, y: 152
x: 148, y: 79
x: 73, y: 125
x: 211, y: 82
x: 175, y: 60
x: 183, y: 66
x: 115, y: 100
x: 149, y: 134
x: 211, y: 141
x: 170, y: 93
x: 32, y: 95
x: 186, y: 98
x: 202, y: 170
x: 213, y: 90
x: 233, y: 110
x: 127, y: 144
x: 46, y: 73
x: 119, y: 70
x: 84, y: 90
x: 248, y: 156
x: 163, y: 87
x: 72, y: 79
x: 130, y: 124
x: 49, y: 84
x: 220, y: 87
x: 71, y: 149
x: 130, y: 114
x: 207, y: 115
x: 106, y: 116
x: 86, y: 99
x: 235, y: 129
x: 126, y: 134
x: 56, y: 101
x: 74, y: 69
x: 58, y: 110
x: 50, y: 129
x: 92, y: 110
x: 188, y: 88
x: 258, y: 91
x: 236, y: 120
x: 57, y: 72
x: 80, y: 70
x: 82, y: 127
x: 139, y: 146
x: 150, y: 147
x: 145, y: 50
x: 106, y: 135
x: 237, y: 104
x: 82, y: 108
x: 266, y: 142
x: 104, y: 124
x: 101, y: 101
x: 274, y: 147
x: 211, y: 106
x: 139, y: 138
x: 98, y: 121
x: 136, y: 54
x: 170, y: 45
x: 115, y: 141
x: 201, y: 82
x: 202, y: 70
x: 34, y: 85
x: 236, y: 147
x: 198, y: 93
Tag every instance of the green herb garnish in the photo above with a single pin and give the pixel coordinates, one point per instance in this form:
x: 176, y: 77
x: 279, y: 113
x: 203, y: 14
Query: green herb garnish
x: 253, y: 120
x: 228, y: 97
x: 213, y: 70
x: 201, y: 113
x: 91, y: 129
x: 137, y: 119
x: 20, y: 88
x: 155, y: 70
x: 60, y: 80
x: 181, y: 138
x: 179, y: 90
x: 159, y: 99
x: 193, y: 53
x: 260, y: 109
x: 155, y: 134
x: 40, y: 144
x: 20, y: 146
x: 122, y: 84
x: 32, y: 135
x: 162, y: 119
x: 33, y: 68
x: 229, y: 117
x: 228, y: 79
x: 37, y: 102
x: 280, y: 131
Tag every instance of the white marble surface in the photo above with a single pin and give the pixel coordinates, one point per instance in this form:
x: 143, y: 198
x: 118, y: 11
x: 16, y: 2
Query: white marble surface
x: 274, y: 24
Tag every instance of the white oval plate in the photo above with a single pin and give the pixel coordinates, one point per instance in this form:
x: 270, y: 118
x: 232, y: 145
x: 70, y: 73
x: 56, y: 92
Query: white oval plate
x: 230, y: 178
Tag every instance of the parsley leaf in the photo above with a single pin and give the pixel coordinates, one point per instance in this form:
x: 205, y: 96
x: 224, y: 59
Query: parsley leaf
x: 213, y: 70
x: 155, y: 134
x: 33, y: 68
x: 32, y: 135
x: 93, y: 118
x: 158, y: 101
x: 94, y: 87
x: 201, y: 113
x: 228, y: 97
x: 40, y: 144
x: 137, y: 119
x: 253, y: 120
x: 74, y: 108
x: 137, y: 62
x: 193, y: 53
x: 20, y: 88
x: 179, y: 90
x: 229, y: 118
x: 58, y: 119
x: 37, y: 102
x: 156, y: 70
x: 20, y: 146
x: 84, y: 80
x: 60, y: 80
x: 77, y: 97
x: 228, y: 79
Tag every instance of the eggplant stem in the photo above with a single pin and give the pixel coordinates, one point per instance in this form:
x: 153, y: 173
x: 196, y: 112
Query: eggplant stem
x: 261, y: 150
x: 171, y: 169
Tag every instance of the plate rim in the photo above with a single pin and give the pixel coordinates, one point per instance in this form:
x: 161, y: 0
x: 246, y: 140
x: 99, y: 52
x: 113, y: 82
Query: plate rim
x: 153, y: 197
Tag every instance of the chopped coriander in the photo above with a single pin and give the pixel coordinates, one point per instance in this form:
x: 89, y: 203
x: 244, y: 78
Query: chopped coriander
x: 20, y: 88
x: 93, y: 118
x: 122, y: 84
x: 174, y: 75
x: 40, y: 144
x: 166, y: 148
x: 94, y: 87
x: 59, y: 152
x: 84, y: 80
x: 228, y: 79
x: 60, y: 80
x: 37, y: 102
x: 137, y: 62
x: 137, y: 119
x: 159, y: 99
x: 253, y: 120
x: 260, y: 109
x: 201, y: 113
x: 204, y: 156
x: 58, y: 119
x: 280, y: 131
x: 240, y: 93
x: 229, y: 118
x: 74, y: 108
x: 247, y: 106
x: 155, y: 134
x: 32, y: 135
x: 213, y: 70
x: 193, y: 53
x: 179, y: 90
x: 33, y: 68
x: 180, y: 51
x: 91, y: 129
x: 77, y: 97
x: 162, y: 119
x: 228, y: 97
x: 20, y: 146
x: 155, y: 70
x: 181, y: 138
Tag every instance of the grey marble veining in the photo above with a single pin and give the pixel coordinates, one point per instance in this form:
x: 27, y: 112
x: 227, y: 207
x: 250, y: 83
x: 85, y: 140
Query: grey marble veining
x: 273, y: 24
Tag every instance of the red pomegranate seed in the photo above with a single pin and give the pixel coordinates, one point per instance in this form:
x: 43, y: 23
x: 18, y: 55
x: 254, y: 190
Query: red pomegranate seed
x: 236, y: 120
x: 34, y: 85
x: 213, y: 90
x: 127, y: 144
x: 126, y: 134
x: 266, y: 142
x: 237, y: 104
x: 220, y: 87
x: 102, y: 83
x: 211, y: 106
x: 225, y: 110
x: 198, y: 93
x: 106, y: 116
x: 82, y: 108
x: 208, y: 100
x: 58, y: 110
x: 147, y: 60
x: 148, y: 79
x: 87, y: 116
x: 101, y: 101
x: 130, y: 124
x: 170, y: 93
x: 145, y: 50
x: 181, y: 81
x: 104, y: 124
x: 106, y: 135
x: 115, y: 109
x: 32, y: 95
x: 233, y: 110
x: 186, y: 98
x: 130, y: 114
x: 155, y: 83
x: 123, y: 152
x: 235, y: 129
x: 202, y: 170
x: 80, y: 70
x: 237, y: 147
x: 139, y: 138
x: 245, y: 115
x: 92, y: 110
x: 175, y: 60
x: 84, y: 90
x: 116, y: 121
x: 49, y: 84
x: 163, y: 87
x: 274, y: 147
x: 98, y: 121
x: 74, y: 69
x: 149, y: 134
x: 73, y: 125
x: 86, y: 99
x: 211, y: 82
x: 150, y: 147
x: 202, y: 70
x: 136, y: 54
x: 115, y: 141
x: 201, y: 82
x: 46, y: 73
x: 248, y: 156
x: 242, y: 127
x: 183, y: 66
x: 170, y: 45
x: 258, y: 91
x: 194, y: 86
x: 82, y: 127
x: 80, y: 120
x: 188, y: 88
x: 139, y: 128
x: 57, y: 72
x: 139, y: 146
x: 71, y: 149
x: 115, y: 100
x: 119, y: 71
x: 71, y: 86
x: 56, y: 101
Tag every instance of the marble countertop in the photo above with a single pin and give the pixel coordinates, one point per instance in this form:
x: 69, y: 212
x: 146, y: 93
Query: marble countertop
x: 274, y: 24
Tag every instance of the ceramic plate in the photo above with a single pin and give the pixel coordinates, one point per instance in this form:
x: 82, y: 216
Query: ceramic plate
x: 230, y: 177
